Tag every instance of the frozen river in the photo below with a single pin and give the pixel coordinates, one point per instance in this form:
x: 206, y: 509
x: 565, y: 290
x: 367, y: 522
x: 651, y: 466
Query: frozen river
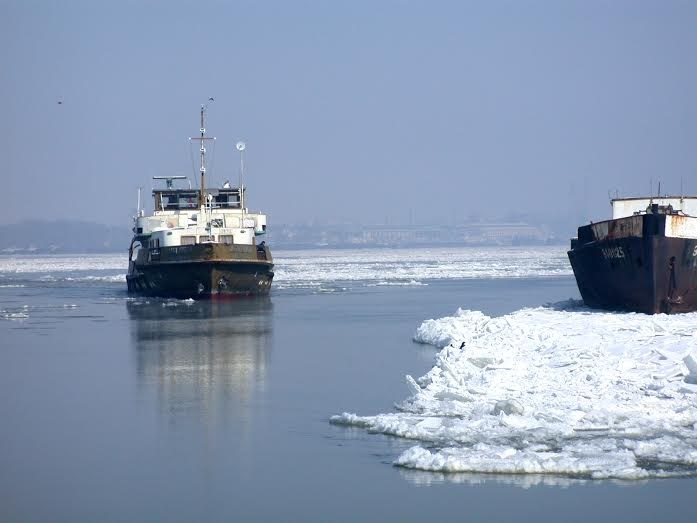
x: 122, y: 409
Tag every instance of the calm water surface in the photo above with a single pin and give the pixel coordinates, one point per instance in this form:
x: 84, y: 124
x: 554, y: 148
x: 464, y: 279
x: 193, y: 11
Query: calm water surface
x: 114, y: 409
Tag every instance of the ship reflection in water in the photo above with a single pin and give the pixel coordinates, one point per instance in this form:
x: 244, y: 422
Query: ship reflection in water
x: 205, y: 359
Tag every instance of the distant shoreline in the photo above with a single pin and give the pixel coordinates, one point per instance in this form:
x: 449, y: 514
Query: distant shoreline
x: 298, y: 247
x: 67, y: 237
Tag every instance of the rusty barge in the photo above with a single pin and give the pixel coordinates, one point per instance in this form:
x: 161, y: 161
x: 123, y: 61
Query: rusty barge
x: 199, y: 243
x: 644, y: 259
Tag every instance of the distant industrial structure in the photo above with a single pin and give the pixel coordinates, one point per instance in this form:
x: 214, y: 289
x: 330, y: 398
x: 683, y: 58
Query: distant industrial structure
x: 63, y: 236
x: 347, y: 235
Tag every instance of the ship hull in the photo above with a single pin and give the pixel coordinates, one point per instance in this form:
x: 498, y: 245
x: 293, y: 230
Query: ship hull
x: 640, y: 271
x: 209, y: 271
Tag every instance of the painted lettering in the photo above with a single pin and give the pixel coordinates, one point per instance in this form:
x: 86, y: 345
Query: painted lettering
x: 613, y: 253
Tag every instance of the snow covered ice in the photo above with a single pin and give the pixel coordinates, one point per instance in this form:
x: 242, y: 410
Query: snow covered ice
x: 410, y: 267
x: 322, y: 270
x: 560, y: 390
x: 61, y: 263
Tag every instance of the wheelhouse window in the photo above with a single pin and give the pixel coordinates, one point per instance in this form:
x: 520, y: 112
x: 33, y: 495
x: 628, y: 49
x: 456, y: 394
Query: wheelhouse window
x: 180, y: 199
x: 227, y: 199
x: 175, y: 200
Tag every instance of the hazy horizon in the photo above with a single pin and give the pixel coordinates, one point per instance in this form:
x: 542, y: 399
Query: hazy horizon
x: 366, y: 111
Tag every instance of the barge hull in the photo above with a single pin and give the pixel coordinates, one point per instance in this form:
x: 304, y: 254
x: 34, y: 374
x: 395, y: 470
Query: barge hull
x: 654, y: 274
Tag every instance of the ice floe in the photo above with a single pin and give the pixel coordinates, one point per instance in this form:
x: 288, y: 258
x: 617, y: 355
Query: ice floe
x: 397, y: 283
x: 560, y: 390
x: 13, y: 315
x: 24, y: 312
x: 188, y: 302
x: 324, y: 270
x: 410, y: 267
x: 109, y: 278
x: 50, y: 263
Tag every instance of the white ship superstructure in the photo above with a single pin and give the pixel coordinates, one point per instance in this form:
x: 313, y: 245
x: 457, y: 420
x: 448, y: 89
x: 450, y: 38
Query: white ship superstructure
x: 206, y: 231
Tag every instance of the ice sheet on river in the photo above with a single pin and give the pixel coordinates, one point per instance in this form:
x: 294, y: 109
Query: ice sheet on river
x: 413, y: 266
x: 555, y: 390
x: 321, y: 270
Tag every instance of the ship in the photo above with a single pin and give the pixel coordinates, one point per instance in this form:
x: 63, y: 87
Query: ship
x: 199, y: 242
x: 644, y: 259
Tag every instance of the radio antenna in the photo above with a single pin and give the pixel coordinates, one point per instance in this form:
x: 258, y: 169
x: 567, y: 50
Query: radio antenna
x: 241, y: 146
x: 682, y: 194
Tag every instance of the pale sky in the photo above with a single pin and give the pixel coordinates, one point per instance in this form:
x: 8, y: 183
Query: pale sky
x: 351, y: 111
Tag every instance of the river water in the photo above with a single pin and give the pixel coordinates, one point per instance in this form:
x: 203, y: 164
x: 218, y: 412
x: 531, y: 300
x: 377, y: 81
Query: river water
x: 116, y: 408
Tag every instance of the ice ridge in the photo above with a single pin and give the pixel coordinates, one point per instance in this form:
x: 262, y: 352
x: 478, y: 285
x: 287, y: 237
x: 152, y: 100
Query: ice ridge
x: 560, y: 390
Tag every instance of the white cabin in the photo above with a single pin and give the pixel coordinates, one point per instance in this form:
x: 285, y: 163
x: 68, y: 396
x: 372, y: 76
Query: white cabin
x: 178, y: 219
x: 623, y: 207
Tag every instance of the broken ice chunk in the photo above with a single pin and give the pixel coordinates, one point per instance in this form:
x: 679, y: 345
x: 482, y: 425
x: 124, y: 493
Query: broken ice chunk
x: 691, y: 364
x: 413, y: 386
x: 508, y: 407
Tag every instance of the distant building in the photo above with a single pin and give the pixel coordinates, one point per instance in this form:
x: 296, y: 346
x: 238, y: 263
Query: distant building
x: 390, y: 235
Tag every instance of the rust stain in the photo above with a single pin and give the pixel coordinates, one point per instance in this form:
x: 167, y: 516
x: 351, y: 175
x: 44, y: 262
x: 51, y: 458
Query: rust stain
x: 680, y: 226
x: 620, y: 228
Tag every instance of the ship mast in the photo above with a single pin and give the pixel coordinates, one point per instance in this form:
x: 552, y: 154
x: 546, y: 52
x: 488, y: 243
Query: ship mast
x: 202, y: 139
x: 203, y: 159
